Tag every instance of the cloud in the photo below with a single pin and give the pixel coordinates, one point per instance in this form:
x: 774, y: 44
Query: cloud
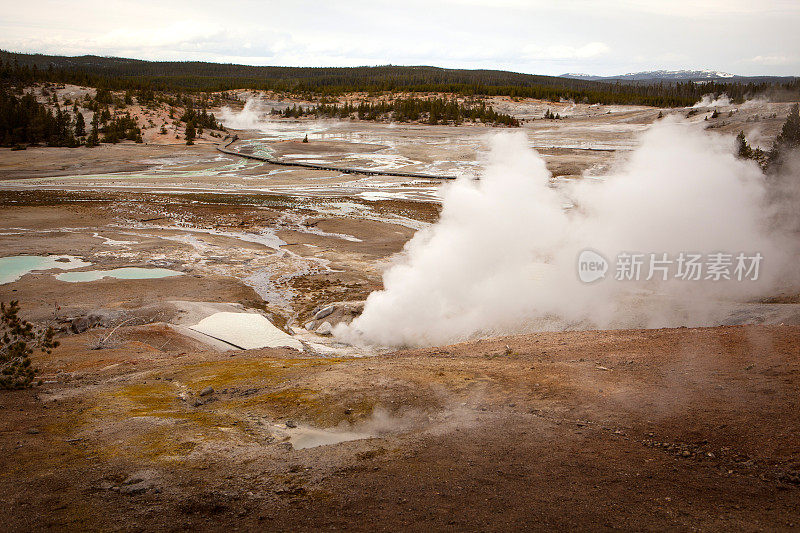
x: 558, y: 52
x: 187, y: 39
x: 178, y: 34
x: 691, y: 9
x: 703, y: 8
x: 772, y: 60
x: 535, y: 36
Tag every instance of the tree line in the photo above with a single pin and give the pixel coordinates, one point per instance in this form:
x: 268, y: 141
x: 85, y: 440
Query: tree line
x: 23, y: 120
x: 26, y: 121
x: 136, y: 75
x: 429, y: 110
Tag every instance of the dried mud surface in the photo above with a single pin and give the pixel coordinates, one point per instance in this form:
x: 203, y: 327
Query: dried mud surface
x: 646, y: 430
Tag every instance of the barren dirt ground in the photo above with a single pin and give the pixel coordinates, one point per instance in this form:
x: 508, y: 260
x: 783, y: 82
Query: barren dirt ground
x: 138, y: 426
x: 646, y: 430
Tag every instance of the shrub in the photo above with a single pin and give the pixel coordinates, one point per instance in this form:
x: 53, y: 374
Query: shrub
x: 19, y: 340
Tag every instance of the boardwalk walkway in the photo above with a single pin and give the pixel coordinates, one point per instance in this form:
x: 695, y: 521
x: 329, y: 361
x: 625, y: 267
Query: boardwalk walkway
x: 226, y: 149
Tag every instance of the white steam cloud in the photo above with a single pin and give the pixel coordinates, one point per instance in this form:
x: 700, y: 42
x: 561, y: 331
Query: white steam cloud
x: 249, y: 118
x: 502, y: 258
x: 709, y: 100
x: 255, y: 116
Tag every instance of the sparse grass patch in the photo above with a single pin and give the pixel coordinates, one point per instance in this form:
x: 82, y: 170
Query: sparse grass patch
x: 261, y: 372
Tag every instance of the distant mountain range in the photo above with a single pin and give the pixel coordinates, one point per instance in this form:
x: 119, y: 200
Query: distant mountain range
x: 676, y: 75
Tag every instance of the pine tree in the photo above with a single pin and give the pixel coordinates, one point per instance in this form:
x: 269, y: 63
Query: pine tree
x: 80, y: 125
x: 789, y: 137
x: 787, y: 141
x: 190, y: 133
x: 18, y: 341
x: 743, y: 150
x: 94, y: 136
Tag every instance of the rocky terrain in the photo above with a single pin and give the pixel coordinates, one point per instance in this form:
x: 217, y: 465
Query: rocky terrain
x: 149, y: 416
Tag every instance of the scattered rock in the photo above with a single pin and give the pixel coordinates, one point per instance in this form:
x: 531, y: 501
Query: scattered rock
x: 107, y: 485
x: 333, y: 314
x: 324, y: 312
x: 197, y: 402
x: 139, y: 482
x: 207, y: 391
x: 33, y: 431
x: 83, y: 323
x: 325, y: 328
x: 291, y: 491
x: 291, y: 424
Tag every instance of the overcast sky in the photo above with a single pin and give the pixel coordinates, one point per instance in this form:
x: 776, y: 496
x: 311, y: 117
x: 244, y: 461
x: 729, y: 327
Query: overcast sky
x: 547, y: 37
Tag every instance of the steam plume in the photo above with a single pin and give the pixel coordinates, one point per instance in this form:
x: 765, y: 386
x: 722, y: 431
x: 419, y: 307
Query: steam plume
x: 502, y: 258
x: 709, y: 100
x: 249, y: 118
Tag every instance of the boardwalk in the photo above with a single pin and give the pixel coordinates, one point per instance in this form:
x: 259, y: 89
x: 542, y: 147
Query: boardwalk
x: 225, y: 149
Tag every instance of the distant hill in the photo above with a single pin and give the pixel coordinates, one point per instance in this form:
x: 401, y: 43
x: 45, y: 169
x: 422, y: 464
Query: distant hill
x: 388, y: 75
x: 655, y: 76
x: 134, y: 74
